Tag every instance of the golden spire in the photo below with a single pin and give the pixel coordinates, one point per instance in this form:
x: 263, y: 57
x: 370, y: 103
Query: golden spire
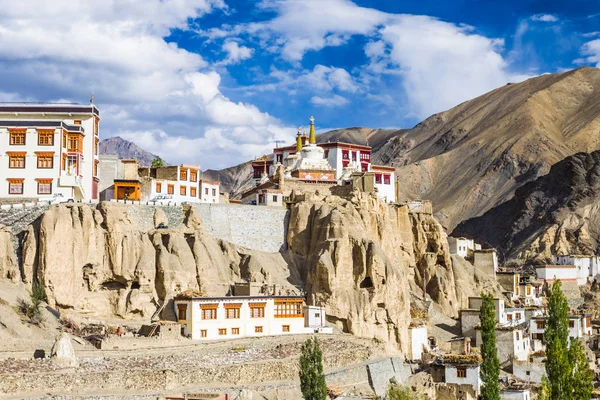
x: 299, y: 140
x: 312, y: 137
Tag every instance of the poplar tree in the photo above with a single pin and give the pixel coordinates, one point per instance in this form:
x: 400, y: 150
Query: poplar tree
x: 558, y: 367
x: 490, y: 369
x: 312, y: 378
x: 582, y: 377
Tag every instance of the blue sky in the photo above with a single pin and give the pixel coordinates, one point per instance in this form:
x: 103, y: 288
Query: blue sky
x: 217, y: 82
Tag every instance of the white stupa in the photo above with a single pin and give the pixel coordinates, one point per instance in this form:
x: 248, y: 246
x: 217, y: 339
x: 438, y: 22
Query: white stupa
x: 312, y: 157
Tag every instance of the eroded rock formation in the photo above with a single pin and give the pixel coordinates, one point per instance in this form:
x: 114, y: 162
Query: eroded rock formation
x: 360, y: 258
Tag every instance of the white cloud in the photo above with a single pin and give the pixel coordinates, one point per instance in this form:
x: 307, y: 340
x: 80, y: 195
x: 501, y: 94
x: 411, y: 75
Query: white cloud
x: 544, y: 17
x: 329, y: 78
x: 591, y: 34
x: 334, y: 101
x: 161, y: 96
x: 591, y: 53
x: 235, y: 52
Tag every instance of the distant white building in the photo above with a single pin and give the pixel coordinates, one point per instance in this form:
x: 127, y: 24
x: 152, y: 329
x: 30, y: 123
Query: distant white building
x: 515, y: 394
x: 214, y: 318
x: 209, y: 191
x: 419, y: 342
x: 49, y: 149
x: 579, y: 326
x: 461, y: 246
x: 586, y: 265
x: 463, y: 370
x: 263, y: 196
x: 563, y: 273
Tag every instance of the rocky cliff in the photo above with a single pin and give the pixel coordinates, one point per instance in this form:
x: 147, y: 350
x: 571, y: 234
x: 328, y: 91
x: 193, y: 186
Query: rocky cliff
x: 360, y: 258
x: 558, y: 213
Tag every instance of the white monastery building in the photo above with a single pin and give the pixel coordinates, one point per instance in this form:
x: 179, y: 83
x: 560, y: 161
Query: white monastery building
x: 48, y: 149
x: 586, y: 265
x: 213, y: 318
x: 462, y: 246
x: 563, y: 273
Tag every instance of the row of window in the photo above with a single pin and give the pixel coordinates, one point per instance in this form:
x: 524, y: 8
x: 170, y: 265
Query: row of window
x: 236, y: 331
x: 17, y: 161
x: 15, y: 186
x: 183, y: 175
x: 182, y: 190
x: 386, y: 178
x: 289, y: 309
x: 71, y: 142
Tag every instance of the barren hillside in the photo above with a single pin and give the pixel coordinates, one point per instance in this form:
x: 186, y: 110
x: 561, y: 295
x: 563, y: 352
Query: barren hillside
x: 558, y: 213
x: 473, y: 157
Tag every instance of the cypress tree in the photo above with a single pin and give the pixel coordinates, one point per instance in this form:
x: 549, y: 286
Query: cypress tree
x: 490, y: 369
x: 582, y: 377
x: 312, y: 378
x: 558, y: 366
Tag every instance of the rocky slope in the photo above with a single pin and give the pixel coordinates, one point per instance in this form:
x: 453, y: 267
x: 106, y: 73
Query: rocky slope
x: 473, y: 157
x: 360, y: 258
x: 124, y: 149
x: 558, y: 213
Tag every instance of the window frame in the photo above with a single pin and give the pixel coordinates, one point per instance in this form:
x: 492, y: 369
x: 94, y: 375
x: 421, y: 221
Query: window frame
x: 158, y: 187
x: 170, y: 189
x: 258, y: 329
x: 193, y: 192
x: 461, y: 372
x: 222, y: 331
x: 235, y: 331
x: 183, y: 190
x: 22, y: 134
x: 20, y: 182
x: 44, y: 182
x: 45, y: 135
x: 13, y: 159
x: 43, y: 160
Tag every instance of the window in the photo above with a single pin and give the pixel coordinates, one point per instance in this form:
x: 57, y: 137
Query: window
x: 206, y: 191
x: 528, y: 373
x: 257, y: 310
x: 258, y: 329
x: 344, y: 154
x: 571, y: 324
x: 193, y: 176
x: 285, y: 328
x: 64, y: 140
x: 75, y: 142
x: 77, y: 122
x: 378, y: 180
x: 528, y: 289
x: 386, y: 179
x: 64, y: 162
x: 193, y: 191
x: 509, y: 317
x: 96, y: 141
x: 16, y: 160
x: 203, y: 333
x: 45, y: 138
x: 461, y: 372
x: 518, y: 315
x: 170, y: 189
x: 214, y: 192
x: 44, y: 186
x: 45, y: 161
x: 540, y: 324
x: 209, y: 312
x: 183, y: 190
x: 354, y: 156
x: 288, y: 309
x: 15, y: 186
x: 274, y: 199
x: 158, y: 187
x: 17, y: 136
x: 96, y: 162
x: 232, y: 312
x: 183, y: 175
x: 517, y: 335
x: 235, y: 331
x: 222, y: 331
x: 96, y: 123
x: 182, y: 312
x: 317, y: 315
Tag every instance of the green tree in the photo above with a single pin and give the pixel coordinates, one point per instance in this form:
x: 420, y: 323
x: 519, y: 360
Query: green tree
x: 158, y: 162
x: 312, y: 378
x: 490, y: 369
x: 582, y: 377
x: 558, y: 367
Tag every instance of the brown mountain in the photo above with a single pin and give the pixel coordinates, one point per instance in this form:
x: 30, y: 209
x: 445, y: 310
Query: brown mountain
x: 125, y: 149
x: 472, y: 157
x: 558, y: 213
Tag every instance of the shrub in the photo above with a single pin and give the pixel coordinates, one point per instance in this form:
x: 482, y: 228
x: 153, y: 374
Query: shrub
x: 398, y: 392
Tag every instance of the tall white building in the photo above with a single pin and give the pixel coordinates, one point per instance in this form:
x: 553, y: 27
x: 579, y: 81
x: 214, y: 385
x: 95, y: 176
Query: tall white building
x: 49, y: 148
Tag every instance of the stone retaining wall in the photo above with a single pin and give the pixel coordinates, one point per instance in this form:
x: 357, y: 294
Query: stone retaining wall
x: 254, y: 227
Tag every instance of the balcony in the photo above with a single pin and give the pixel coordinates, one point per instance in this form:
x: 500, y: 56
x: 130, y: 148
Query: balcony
x: 69, y: 180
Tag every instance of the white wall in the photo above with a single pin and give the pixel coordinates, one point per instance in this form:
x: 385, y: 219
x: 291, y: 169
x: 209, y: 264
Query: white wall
x: 386, y: 192
x: 194, y: 323
x: 314, y: 317
x: 460, y: 246
x: 418, y: 340
x: 472, y: 377
x: 515, y: 394
x: 209, y: 192
x: 550, y: 272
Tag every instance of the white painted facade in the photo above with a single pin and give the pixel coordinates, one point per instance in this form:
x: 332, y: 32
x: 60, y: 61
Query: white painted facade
x: 223, y: 318
x: 511, y: 344
x: 209, y: 191
x: 385, y: 183
x: 418, y: 341
x: 264, y: 197
x: 579, y: 326
x: 453, y: 373
x: 461, y: 246
x: 515, y: 394
x: 586, y: 265
x: 66, y: 169
x: 182, y: 189
x: 475, y: 304
x: 515, y: 316
x: 562, y: 272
